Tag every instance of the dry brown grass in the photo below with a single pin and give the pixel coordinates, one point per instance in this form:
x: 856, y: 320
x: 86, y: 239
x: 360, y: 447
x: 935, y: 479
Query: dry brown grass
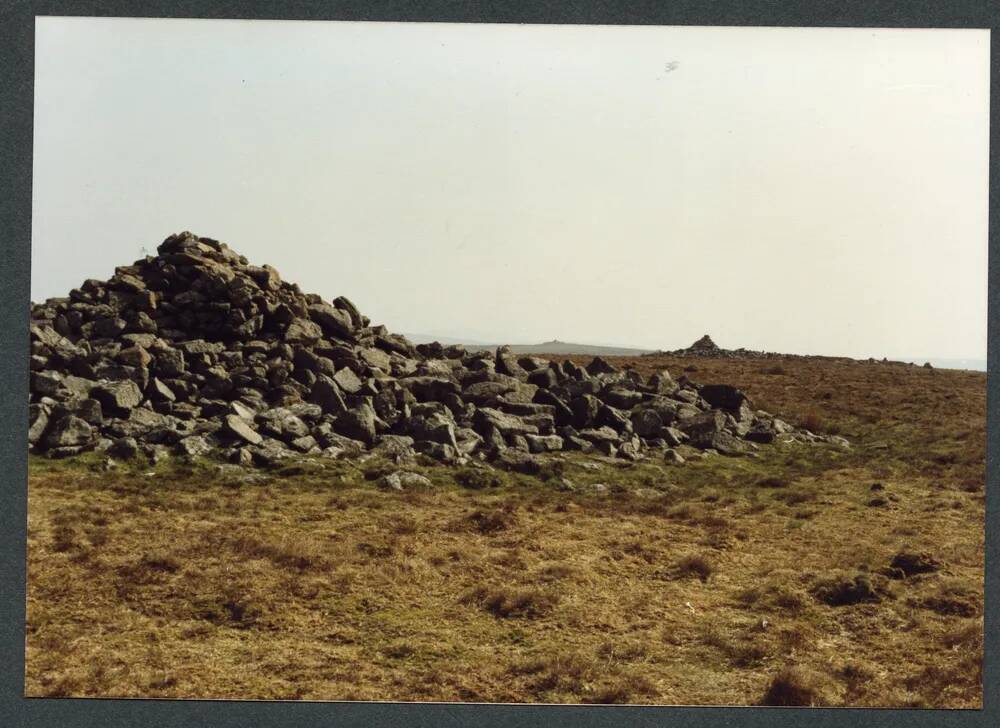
x: 725, y: 580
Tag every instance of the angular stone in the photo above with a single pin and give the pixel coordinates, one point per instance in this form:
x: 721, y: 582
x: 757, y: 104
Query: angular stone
x: 47, y: 383
x: 544, y: 443
x: 38, y: 420
x: 193, y: 446
x: 334, y: 322
x: 430, y: 388
x: 401, y: 480
x: 303, y: 331
x: 545, y: 378
x: 621, y: 398
x: 673, y: 457
x: 486, y: 419
x: 236, y: 425
x: 326, y: 394
x: 662, y: 383
x: 170, y: 363
x: 608, y: 416
x: 158, y: 391
x: 434, y: 428
x: 601, y: 434
x: 376, y: 358
x: 68, y: 431
x: 90, y: 411
x: 305, y: 443
x: 646, y: 423
x: 124, y: 448
x: 518, y: 461
x: 723, y: 396
x: 135, y: 356
x: 506, y: 363
x: 599, y: 366
x: 357, y: 424
x: 281, y: 424
x: 673, y: 436
x: 348, y: 381
x: 560, y: 410
x: 117, y: 397
x: 486, y: 392
x: 585, y: 408
x: 193, y: 347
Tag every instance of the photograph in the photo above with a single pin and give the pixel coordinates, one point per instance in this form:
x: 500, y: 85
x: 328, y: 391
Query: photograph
x: 431, y: 362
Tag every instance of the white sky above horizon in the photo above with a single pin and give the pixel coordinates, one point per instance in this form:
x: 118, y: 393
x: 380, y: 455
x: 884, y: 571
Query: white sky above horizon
x: 800, y: 190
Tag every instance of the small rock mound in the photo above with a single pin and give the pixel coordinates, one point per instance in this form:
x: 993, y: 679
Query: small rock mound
x: 704, y: 345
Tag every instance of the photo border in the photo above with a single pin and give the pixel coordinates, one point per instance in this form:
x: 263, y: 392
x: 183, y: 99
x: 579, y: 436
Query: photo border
x: 16, y: 115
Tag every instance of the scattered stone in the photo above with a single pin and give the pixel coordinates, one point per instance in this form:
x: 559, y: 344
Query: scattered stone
x: 401, y: 480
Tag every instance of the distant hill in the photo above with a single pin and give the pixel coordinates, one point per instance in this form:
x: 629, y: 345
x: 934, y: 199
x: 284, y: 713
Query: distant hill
x: 548, y: 347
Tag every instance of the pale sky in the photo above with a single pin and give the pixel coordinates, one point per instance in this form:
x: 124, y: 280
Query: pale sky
x: 800, y: 190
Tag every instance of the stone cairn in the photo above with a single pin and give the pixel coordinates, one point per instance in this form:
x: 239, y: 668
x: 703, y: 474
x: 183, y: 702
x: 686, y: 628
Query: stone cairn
x: 196, y: 352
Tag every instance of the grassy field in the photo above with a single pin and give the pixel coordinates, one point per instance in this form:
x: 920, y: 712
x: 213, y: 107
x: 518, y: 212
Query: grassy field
x: 809, y: 575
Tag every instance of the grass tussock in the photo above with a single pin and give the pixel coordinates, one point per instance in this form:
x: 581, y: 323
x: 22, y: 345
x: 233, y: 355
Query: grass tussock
x: 796, y: 686
x: 507, y: 602
x: 696, y: 566
x: 492, y: 521
x: 843, y: 590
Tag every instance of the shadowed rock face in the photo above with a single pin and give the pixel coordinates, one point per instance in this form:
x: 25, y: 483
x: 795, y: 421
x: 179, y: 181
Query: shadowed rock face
x: 197, y: 351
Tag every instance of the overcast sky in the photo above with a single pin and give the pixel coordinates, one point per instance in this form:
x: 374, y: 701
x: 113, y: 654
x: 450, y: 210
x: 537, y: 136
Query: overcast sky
x: 800, y: 190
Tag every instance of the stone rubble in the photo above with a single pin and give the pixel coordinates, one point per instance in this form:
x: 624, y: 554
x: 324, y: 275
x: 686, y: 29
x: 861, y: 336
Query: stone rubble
x: 197, y: 352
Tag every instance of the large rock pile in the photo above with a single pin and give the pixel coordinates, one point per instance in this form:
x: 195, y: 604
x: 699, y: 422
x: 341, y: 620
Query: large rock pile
x: 195, y: 351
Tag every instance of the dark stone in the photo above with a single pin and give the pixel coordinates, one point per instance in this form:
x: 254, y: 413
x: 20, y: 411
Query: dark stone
x: 429, y: 388
x: 117, y: 398
x: 434, y: 428
x: 543, y: 377
x: 646, y: 423
x: 38, y: 420
x: 68, y: 431
x: 487, y: 419
x: 560, y: 410
x: 334, y: 321
x: 723, y: 396
x: 544, y: 443
x: 90, y: 411
x: 621, y: 398
x: 600, y: 366
x: 124, y: 448
x: 518, y: 461
x: 170, y: 363
x: 585, y: 408
x: 486, y: 392
x: 326, y: 394
x: 160, y: 392
x: 357, y: 424
x: 608, y: 416
x: 303, y: 331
